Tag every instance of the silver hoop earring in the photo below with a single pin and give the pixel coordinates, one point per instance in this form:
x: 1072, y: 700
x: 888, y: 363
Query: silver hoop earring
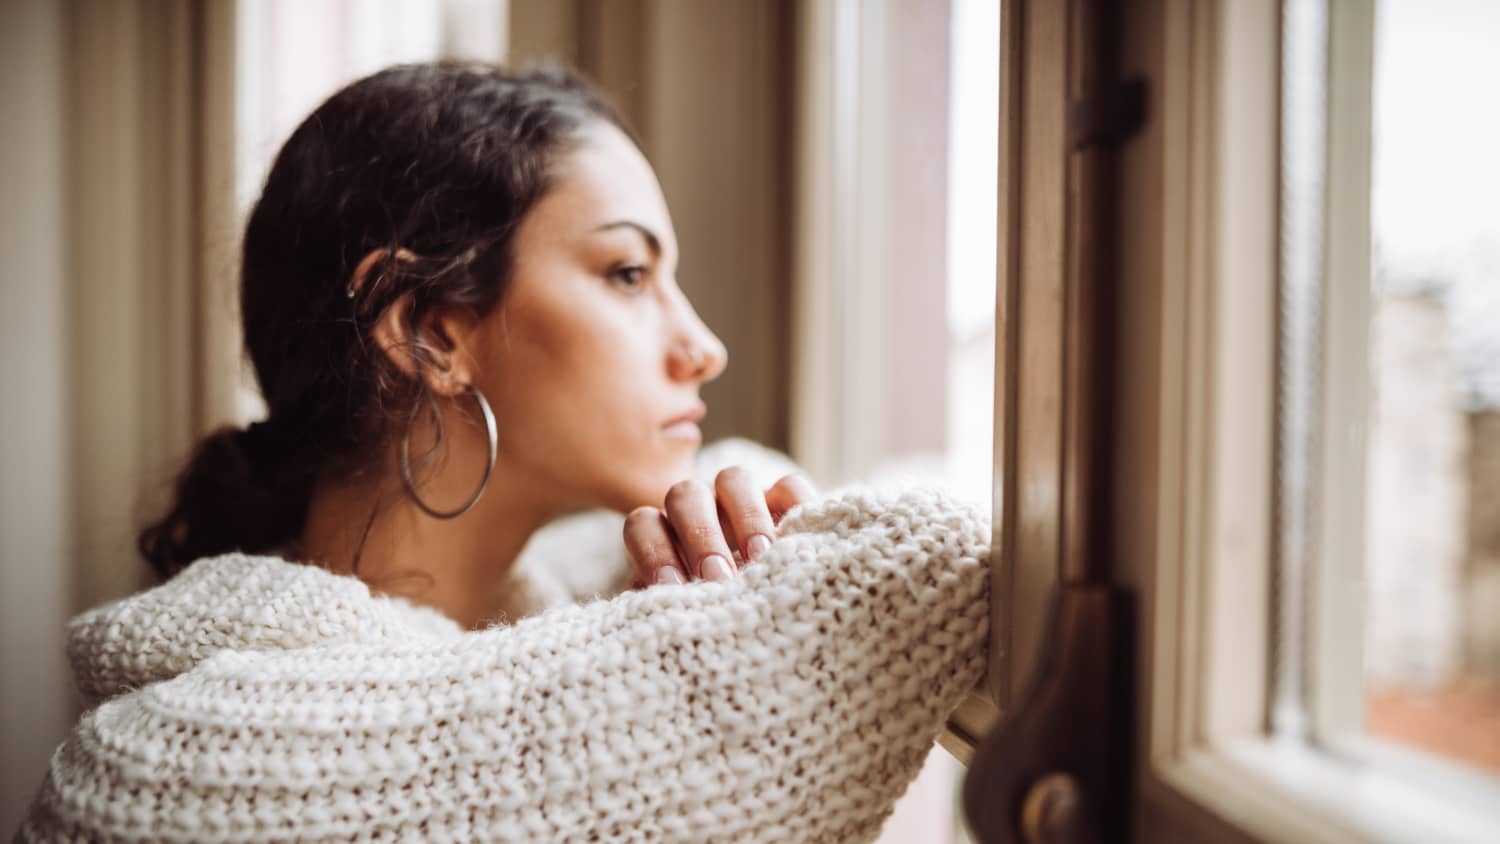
x: 489, y: 466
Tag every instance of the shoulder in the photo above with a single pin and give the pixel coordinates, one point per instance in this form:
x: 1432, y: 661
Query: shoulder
x: 232, y: 602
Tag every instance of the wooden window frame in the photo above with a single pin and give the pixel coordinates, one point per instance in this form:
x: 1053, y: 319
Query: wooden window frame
x: 1207, y: 214
x: 1038, y: 473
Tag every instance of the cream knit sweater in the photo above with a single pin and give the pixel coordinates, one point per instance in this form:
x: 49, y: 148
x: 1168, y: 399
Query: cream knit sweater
x: 255, y: 699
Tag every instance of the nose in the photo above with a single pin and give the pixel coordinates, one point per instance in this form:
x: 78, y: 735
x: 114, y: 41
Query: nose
x: 696, y: 353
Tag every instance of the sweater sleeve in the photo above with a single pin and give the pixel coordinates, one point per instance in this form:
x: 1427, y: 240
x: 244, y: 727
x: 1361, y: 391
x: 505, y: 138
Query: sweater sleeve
x: 793, y: 703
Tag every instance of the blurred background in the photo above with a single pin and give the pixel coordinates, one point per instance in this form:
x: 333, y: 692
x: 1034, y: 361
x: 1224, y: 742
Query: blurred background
x: 810, y: 153
x: 1432, y: 539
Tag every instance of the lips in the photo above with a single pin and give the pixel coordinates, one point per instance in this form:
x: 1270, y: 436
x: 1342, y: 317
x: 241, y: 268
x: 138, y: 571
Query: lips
x: 684, y: 426
x: 691, y: 416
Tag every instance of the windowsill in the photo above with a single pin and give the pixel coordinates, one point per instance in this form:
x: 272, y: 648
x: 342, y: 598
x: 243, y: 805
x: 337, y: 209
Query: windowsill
x: 969, y: 724
x: 1478, y: 792
x: 1293, y: 793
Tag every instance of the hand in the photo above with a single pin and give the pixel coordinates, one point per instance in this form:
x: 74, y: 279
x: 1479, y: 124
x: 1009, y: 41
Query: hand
x: 700, y: 530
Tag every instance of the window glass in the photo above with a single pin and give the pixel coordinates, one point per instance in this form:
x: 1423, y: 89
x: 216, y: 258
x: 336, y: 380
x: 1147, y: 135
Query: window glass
x: 1388, y: 437
x: 942, y: 429
x: 1432, y: 635
x: 949, y: 440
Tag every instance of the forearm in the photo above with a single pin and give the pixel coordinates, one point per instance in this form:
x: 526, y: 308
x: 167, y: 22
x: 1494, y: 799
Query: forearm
x: 793, y: 703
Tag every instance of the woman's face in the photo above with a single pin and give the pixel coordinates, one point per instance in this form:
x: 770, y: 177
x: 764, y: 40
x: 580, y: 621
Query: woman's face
x: 594, y: 359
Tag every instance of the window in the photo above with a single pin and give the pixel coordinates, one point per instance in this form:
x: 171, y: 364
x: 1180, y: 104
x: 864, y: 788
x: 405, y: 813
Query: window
x: 1307, y: 371
x: 895, y: 271
x: 1390, y: 321
x: 1432, y: 538
x: 896, y: 255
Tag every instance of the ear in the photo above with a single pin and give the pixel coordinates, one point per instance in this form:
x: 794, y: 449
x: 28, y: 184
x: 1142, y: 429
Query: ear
x: 436, y: 348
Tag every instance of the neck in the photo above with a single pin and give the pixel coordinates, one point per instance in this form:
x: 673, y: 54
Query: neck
x: 464, y: 567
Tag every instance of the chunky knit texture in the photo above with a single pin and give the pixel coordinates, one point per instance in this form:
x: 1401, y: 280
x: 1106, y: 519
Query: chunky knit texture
x: 251, y: 698
x: 581, y: 557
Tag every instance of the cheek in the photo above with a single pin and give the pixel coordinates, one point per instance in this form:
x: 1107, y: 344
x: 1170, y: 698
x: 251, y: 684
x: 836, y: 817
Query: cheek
x: 583, y: 361
x: 571, y: 377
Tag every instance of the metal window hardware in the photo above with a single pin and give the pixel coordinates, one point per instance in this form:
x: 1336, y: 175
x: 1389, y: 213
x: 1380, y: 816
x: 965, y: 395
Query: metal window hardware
x: 1051, y: 771
x: 1056, y: 768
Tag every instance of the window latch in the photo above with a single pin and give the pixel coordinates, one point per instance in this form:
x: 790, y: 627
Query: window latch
x: 1055, y: 770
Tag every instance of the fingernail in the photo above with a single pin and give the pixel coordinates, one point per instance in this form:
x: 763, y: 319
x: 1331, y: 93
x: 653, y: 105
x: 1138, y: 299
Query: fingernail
x: 758, y: 545
x: 668, y: 574
x: 716, y: 567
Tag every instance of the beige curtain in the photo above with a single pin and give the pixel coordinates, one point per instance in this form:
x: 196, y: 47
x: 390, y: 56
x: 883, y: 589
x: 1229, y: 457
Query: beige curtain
x: 151, y: 262
x: 121, y: 342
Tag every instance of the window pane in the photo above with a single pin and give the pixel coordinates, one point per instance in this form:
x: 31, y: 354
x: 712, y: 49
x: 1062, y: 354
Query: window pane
x: 942, y: 305
x: 1432, y: 638
x: 1387, y: 583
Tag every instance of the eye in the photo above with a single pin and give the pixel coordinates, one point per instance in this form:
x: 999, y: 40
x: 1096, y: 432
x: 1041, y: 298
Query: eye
x: 630, y: 277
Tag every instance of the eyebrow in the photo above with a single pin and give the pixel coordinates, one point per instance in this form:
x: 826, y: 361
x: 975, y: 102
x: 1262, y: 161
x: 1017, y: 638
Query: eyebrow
x: 652, y: 240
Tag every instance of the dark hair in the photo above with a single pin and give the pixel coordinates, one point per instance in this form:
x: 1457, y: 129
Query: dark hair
x: 441, y: 160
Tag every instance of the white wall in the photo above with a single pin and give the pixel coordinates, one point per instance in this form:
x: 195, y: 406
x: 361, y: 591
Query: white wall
x: 36, y: 699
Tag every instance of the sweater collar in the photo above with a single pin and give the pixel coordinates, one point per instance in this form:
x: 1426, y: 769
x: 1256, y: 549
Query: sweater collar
x: 233, y: 602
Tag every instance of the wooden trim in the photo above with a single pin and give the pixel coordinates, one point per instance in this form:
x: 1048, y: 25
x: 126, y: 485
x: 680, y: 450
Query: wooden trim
x: 1335, y: 640
x: 1219, y: 217
x: 1242, y: 332
x: 1054, y: 258
x: 968, y: 725
x: 1033, y: 514
x: 1007, y: 351
x: 1032, y: 336
x: 1193, y: 361
x: 1206, y: 412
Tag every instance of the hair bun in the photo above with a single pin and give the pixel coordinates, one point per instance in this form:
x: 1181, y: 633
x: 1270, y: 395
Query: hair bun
x: 234, y: 494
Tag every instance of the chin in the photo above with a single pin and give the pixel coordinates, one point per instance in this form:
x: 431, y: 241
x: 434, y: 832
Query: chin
x: 651, y: 489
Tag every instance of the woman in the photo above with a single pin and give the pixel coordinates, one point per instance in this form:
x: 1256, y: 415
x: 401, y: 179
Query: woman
x: 458, y: 294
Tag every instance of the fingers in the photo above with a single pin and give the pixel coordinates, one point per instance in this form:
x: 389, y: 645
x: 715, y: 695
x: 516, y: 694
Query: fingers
x: 701, y: 530
x: 653, y: 554
x: 787, y: 493
x: 694, y: 518
x: 745, y: 511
